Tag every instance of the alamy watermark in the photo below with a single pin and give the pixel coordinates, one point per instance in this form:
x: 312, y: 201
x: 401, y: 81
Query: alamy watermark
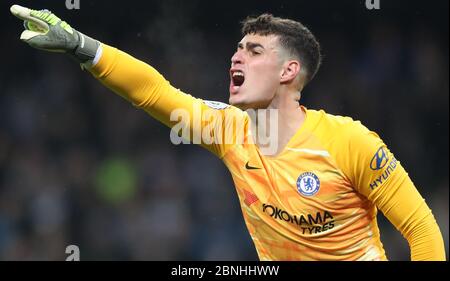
x: 73, y: 252
x: 373, y: 4
x: 73, y: 4
x: 205, y: 125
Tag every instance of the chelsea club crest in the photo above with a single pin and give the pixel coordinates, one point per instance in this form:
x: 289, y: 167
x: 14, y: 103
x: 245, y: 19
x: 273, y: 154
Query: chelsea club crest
x: 308, y: 184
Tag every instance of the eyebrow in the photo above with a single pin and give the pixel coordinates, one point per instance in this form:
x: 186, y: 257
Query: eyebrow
x: 250, y: 45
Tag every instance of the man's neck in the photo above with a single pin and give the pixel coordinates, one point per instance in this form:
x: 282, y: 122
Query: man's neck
x: 274, y: 126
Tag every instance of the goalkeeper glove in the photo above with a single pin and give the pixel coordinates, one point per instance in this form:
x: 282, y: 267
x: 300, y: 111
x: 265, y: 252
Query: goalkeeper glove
x: 45, y: 31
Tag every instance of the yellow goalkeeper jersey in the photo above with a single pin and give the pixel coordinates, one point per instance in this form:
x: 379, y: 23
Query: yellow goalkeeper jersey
x: 318, y: 198
x: 314, y: 201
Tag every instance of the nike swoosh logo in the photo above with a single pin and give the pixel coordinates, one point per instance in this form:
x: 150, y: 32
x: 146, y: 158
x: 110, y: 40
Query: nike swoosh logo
x: 248, y: 167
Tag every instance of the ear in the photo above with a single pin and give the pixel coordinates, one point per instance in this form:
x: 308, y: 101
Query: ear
x: 291, y: 69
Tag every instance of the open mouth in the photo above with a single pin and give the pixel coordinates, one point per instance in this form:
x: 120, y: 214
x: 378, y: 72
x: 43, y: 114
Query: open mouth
x: 238, y: 78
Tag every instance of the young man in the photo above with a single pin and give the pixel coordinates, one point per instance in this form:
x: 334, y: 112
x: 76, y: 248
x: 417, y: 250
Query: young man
x: 311, y: 190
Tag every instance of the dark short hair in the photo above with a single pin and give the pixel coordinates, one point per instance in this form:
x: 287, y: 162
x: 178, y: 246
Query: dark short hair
x: 292, y: 35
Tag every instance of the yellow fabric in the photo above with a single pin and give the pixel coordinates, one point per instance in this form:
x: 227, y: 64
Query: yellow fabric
x: 145, y: 88
x: 317, y: 199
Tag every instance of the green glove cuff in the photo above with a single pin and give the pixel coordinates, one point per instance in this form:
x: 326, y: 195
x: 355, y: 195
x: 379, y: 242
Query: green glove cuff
x: 86, y: 48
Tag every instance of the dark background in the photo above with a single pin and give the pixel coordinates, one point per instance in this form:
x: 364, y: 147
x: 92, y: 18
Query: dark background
x: 79, y: 165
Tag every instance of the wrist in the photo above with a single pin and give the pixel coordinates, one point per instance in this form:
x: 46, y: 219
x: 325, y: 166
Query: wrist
x: 87, y: 48
x: 91, y: 63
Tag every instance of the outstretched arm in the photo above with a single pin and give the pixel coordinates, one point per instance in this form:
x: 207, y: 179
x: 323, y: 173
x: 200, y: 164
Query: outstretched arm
x: 202, y: 122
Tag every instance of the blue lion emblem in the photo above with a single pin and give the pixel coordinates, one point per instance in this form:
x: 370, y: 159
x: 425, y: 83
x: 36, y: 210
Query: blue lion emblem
x: 308, y: 184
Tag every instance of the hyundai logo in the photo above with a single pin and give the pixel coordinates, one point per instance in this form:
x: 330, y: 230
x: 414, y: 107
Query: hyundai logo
x: 380, y: 159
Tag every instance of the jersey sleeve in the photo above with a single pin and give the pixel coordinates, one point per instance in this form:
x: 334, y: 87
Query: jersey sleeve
x: 376, y: 174
x: 213, y: 125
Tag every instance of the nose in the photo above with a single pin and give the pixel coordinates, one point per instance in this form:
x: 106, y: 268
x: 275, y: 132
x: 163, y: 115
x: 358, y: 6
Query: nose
x: 237, y: 58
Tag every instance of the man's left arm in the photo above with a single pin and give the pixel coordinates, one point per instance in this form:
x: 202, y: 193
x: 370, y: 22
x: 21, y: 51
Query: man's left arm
x: 406, y: 209
x: 381, y: 178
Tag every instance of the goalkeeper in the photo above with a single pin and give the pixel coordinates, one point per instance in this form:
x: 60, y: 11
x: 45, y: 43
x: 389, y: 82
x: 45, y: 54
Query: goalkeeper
x: 313, y: 189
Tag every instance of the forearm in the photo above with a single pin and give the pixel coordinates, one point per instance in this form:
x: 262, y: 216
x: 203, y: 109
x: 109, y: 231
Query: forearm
x: 424, y: 237
x: 134, y: 80
x: 141, y: 84
x: 403, y: 205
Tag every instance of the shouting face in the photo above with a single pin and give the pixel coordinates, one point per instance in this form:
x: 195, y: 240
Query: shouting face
x: 256, y: 69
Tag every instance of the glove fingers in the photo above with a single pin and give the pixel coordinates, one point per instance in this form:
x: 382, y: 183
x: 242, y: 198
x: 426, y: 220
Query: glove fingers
x: 20, y: 12
x: 28, y: 34
x: 39, y: 41
x: 25, y: 14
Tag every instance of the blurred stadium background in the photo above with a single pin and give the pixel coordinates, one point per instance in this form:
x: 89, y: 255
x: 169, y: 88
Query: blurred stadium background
x: 79, y: 165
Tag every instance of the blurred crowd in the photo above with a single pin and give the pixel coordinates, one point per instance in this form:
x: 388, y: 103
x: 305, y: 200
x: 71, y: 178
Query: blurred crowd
x: 81, y: 166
